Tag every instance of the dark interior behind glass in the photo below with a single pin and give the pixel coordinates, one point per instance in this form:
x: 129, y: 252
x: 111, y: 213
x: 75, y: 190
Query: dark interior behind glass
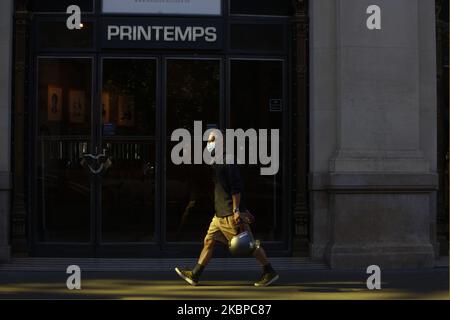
x: 257, y: 37
x: 63, y: 134
x: 55, y: 35
x: 193, y: 94
x: 129, y: 142
x: 262, y: 7
x: 256, y: 91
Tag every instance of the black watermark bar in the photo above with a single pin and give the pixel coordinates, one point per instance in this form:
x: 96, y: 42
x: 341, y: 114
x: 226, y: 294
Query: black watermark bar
x: 234, y: 309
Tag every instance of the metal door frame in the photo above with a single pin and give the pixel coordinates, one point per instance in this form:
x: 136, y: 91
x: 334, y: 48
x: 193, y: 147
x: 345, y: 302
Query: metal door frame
x: 164, y: 248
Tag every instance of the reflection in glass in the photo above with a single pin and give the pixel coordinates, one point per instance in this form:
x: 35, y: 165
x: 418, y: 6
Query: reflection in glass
x: 262, y: 7
x: 64, y: 112
x: 256, y: 87
x: 193, y: 94
x: 128, y: 117
x: 56, y: 35
x: 257, y: 37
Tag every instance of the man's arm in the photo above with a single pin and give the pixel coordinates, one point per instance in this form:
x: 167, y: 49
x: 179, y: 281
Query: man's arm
x: 236, y: 202
x: 236, y: 188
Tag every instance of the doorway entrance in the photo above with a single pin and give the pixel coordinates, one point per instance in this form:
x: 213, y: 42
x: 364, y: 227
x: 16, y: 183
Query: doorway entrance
x: 103, y: 183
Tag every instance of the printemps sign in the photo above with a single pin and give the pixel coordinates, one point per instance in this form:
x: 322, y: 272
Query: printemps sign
x: 162, y: 33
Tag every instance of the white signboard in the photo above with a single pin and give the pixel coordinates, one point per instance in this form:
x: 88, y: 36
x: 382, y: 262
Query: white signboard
x: 178, y: 7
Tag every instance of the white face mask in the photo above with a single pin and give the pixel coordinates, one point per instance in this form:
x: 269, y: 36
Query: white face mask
x: 210, y: 146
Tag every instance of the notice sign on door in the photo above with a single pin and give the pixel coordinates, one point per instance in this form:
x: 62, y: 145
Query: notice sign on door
x: 177, y: 7
x: 275, y: 105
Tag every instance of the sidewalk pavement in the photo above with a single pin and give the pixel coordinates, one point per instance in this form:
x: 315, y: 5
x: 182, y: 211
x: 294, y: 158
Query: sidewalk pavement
x: 297, y: 285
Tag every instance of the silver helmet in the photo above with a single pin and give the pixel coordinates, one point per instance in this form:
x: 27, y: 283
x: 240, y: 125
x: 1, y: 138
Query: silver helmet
x: 243, y: 244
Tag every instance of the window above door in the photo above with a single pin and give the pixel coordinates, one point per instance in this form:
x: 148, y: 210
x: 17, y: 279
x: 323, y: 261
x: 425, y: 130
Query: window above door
x: 60, y: 6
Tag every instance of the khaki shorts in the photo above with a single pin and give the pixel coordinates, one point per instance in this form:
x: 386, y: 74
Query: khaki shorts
x: 223, y: 229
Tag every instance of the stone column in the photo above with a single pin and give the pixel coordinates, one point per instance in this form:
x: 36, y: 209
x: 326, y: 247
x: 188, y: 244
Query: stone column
x: 322, y: 117
x: 373, y: 110
x: 6, y: 27
x: 442, y: 42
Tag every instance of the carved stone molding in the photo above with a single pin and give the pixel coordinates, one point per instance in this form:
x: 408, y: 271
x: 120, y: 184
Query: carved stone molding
x: 300, y: 38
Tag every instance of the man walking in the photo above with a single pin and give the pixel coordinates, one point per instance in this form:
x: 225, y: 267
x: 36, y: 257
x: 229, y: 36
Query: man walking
x: 229, y: 214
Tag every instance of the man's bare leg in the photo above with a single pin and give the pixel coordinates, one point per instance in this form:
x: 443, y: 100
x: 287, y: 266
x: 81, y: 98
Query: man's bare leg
x: 269, y: 274
x: 260, y: 255
x: 193, y: 276
x: 207, y: 252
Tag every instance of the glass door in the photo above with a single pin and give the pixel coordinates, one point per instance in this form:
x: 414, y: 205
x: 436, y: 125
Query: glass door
x: 257, y: 102
x: 193, y: 93
x: 63, y: 132
x: 104, y: 177
x: 96, y: 156
x: 140, y: 211
x: 127, y: 212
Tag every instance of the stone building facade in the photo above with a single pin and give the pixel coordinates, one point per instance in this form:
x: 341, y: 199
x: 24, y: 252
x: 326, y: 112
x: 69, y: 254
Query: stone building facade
x: 366, y: 156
